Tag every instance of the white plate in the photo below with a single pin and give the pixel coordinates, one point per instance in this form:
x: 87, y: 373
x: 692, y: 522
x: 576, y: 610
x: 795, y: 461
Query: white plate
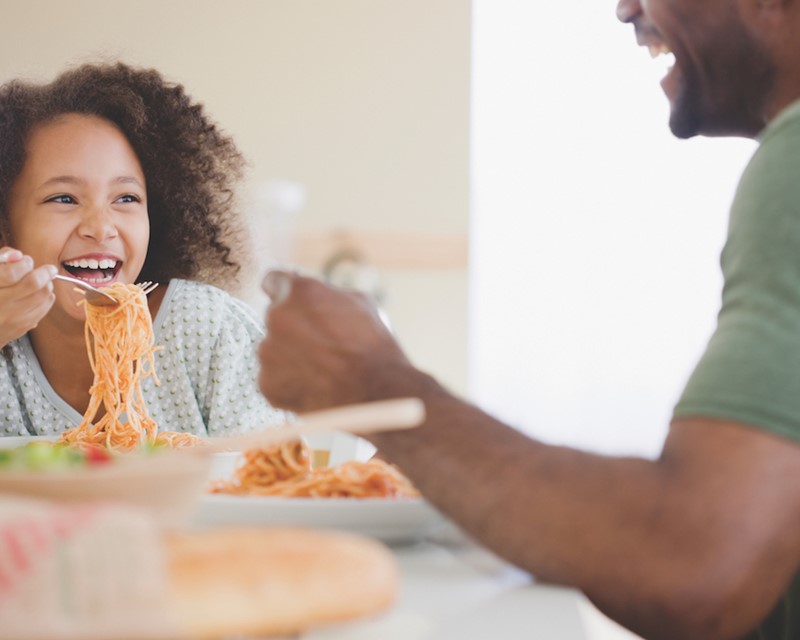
x: 392, y: 520
x: 12, y: 442
x: 223, y: 465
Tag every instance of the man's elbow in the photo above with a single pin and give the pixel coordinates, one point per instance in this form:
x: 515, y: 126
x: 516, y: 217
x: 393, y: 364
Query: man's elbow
x: 718, y: 605
x: 703, y: 594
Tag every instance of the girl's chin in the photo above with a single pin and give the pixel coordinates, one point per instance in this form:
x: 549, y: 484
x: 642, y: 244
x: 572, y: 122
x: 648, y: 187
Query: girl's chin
x: 71, y: 306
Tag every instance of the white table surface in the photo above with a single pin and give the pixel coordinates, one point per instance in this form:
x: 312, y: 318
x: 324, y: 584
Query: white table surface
x: 459, y: 591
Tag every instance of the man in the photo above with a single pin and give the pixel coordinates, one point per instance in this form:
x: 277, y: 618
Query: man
x: 705, y: 541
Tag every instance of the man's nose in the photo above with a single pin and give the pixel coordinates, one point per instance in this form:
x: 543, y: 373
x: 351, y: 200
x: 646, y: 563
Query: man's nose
x: 627, y: 10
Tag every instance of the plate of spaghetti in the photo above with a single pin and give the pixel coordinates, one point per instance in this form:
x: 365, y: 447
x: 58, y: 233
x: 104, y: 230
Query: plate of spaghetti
x: 279, y: 486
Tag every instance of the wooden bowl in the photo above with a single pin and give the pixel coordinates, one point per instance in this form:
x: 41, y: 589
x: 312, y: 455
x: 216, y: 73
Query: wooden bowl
x: 165, y: 483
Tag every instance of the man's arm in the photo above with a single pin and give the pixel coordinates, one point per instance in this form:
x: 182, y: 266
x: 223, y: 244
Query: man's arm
x: 698, y: 544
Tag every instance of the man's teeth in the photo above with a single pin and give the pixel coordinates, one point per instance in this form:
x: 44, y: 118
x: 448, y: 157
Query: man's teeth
x: 663, y: 57
x: 92, y: 264
x: 657, y: 50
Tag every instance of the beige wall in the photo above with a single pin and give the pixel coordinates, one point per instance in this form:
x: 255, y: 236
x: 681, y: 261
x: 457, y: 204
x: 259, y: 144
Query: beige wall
x: 363, y: 102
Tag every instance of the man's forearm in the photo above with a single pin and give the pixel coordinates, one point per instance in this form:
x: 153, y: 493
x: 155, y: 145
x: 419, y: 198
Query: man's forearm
x: 488, y: 475
x: 617, y: 528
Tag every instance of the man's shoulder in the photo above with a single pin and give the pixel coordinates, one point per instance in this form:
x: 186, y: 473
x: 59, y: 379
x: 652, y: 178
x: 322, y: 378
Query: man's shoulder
x: 787, y: 119
x: 769, y: 186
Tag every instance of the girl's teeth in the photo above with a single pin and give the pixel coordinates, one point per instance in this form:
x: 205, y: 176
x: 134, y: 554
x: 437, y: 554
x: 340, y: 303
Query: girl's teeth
x: 90, y: 263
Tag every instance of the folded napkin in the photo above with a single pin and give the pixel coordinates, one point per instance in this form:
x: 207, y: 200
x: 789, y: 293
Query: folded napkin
x: 83, y: 572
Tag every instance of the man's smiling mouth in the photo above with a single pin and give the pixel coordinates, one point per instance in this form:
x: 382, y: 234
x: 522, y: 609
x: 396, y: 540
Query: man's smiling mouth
x: 663, y: 53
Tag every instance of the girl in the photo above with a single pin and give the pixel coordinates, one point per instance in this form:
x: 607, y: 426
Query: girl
x: 111, y: 174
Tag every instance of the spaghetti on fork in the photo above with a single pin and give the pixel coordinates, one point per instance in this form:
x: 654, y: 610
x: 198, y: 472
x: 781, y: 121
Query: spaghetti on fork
x: 120, y: 346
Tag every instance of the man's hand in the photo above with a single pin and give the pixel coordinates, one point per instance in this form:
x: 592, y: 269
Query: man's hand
x: 323, y: 344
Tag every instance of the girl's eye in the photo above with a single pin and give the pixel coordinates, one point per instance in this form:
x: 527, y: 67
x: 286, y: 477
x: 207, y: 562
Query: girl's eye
x: 128, y: 198
x: 62, y: 199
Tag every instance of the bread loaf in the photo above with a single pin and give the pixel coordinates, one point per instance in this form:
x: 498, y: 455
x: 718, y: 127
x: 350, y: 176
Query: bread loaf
x: 275, y: 581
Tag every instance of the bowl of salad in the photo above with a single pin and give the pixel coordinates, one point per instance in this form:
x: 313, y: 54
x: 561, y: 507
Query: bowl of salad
x: 165, y: 482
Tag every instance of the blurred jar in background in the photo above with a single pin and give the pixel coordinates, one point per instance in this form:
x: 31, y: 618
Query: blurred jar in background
x: 272, y: 212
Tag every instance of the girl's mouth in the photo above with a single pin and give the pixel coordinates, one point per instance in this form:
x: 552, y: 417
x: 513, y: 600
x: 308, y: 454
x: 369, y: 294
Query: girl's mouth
x: 95, y: 272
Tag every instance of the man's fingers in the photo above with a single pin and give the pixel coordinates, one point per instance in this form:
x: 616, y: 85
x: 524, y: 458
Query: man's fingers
x: 277, y: 284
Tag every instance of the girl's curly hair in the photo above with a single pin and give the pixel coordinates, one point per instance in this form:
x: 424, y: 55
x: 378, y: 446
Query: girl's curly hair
x: 190, y: 165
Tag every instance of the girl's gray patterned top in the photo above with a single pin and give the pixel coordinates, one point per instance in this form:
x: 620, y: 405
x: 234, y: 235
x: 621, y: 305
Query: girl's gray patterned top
x: 207, y: 368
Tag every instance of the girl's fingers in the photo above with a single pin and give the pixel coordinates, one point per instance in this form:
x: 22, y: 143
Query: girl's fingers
x: 13, y: 266
x: 9, y: 254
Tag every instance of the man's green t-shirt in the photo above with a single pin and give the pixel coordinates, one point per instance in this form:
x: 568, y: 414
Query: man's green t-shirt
x: 750, y: 371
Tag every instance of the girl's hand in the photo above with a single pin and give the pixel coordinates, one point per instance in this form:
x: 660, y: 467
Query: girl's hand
x: 26, y: 294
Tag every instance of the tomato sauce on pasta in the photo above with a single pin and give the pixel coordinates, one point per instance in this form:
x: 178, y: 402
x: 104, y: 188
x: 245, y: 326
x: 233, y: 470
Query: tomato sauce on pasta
x: 285, y: 470
x: 120, y: 345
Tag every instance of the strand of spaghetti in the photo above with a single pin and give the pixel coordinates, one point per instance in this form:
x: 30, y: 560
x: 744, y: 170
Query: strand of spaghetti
x: 113, y: 344
x: 120, y: 347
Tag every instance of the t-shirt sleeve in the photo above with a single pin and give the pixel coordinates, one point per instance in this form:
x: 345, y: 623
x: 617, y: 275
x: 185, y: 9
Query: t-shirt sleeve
x: 750, y: 371
x: 233, y: 402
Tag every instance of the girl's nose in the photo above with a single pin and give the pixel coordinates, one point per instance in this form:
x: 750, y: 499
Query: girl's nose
x: 98, y: 224
x: 627, y: 10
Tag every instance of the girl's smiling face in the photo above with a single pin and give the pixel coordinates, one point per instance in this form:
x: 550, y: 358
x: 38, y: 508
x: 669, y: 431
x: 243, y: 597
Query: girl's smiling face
x: 80, y: 203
